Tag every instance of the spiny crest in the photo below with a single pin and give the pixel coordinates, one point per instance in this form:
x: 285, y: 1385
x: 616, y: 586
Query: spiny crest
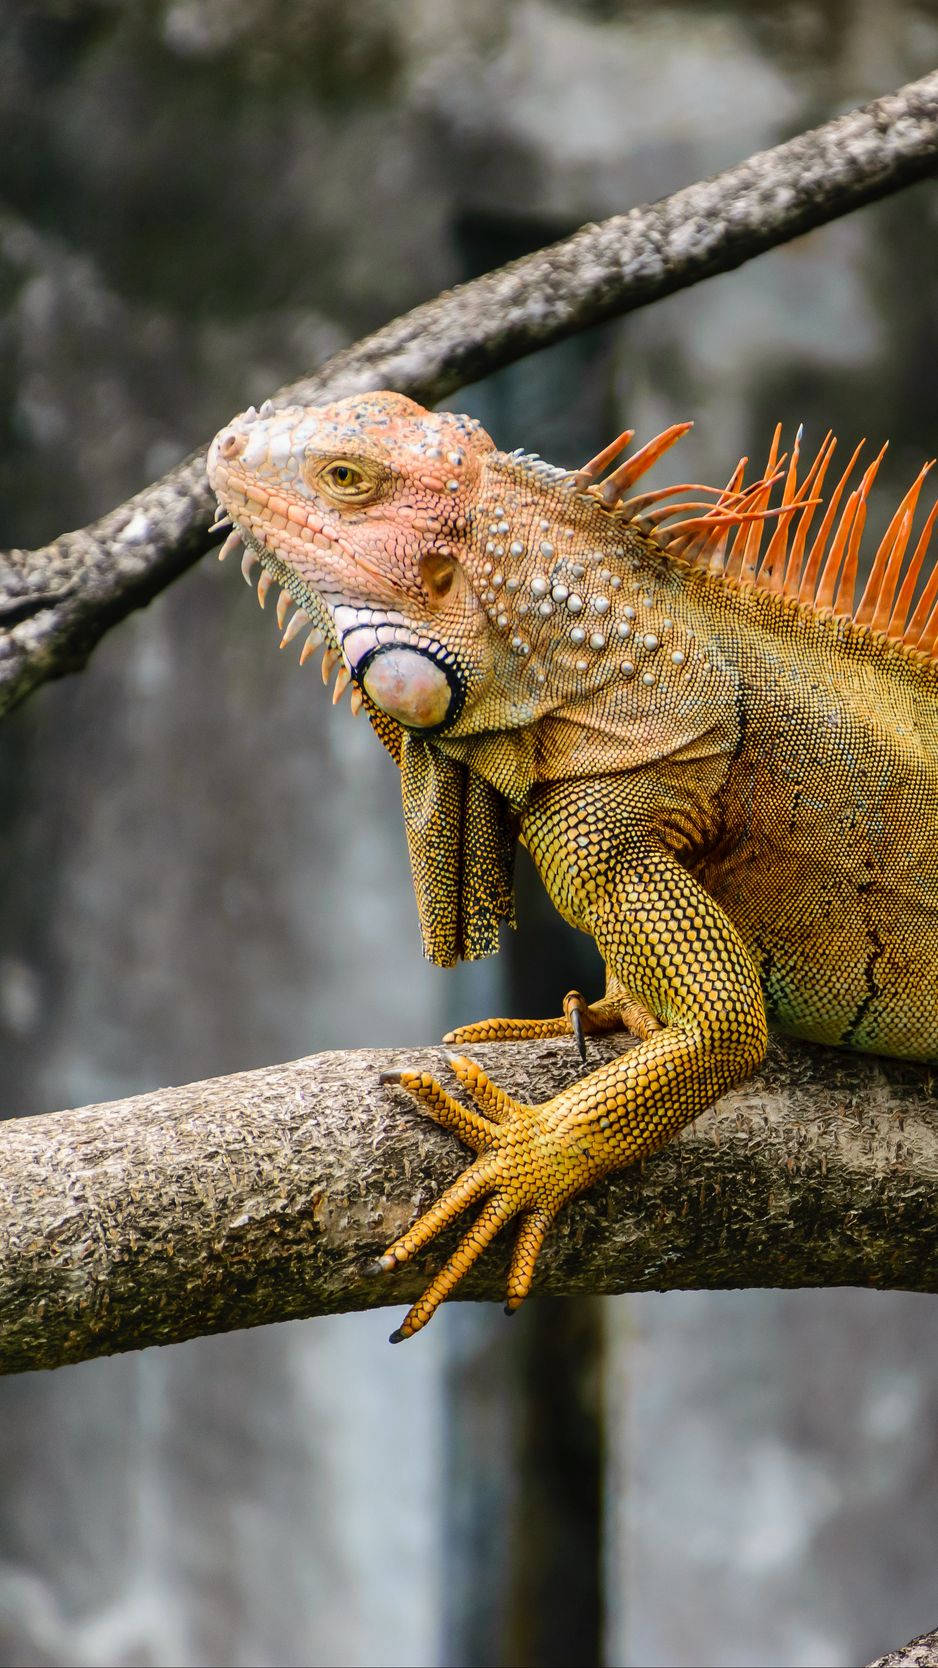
x: 726, y: 536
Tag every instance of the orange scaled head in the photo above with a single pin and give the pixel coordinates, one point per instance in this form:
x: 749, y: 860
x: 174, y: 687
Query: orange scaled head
x: 360, y: 510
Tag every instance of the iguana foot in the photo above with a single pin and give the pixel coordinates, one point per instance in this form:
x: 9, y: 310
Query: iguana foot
x: 526, y: 1166
x: 579, y: 1019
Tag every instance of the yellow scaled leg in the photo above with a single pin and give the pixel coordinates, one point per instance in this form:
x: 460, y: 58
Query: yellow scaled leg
x: 663, y: 938
x: 532, y: 1159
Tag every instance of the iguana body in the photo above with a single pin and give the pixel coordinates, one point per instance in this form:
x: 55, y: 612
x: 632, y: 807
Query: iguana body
x: 724, y: 769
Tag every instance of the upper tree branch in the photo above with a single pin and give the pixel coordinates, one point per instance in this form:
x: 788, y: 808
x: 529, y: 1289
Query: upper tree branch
x: 56, y: 602
x: 264, y: 1196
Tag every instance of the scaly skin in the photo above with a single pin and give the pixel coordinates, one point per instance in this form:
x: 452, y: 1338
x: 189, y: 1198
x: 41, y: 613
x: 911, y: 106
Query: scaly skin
x: 734, y: 790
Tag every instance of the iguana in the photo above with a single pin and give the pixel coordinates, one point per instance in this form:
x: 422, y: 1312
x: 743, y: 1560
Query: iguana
x: 724, y: 767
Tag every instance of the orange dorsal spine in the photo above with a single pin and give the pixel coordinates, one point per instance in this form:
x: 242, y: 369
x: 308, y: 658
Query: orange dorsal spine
x: 772, y: 571
x: 904, y: 599
x: 922, y: 618
x: 882, y: 574
x: 749, y: 538
x: 633, y: 468
x: 844, y: 599
x: 814, y: 480
x: 698, y: 533
x: 876, y: 602
x: 592, y: 470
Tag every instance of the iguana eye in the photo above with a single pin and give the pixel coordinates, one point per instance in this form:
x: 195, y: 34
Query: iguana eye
x: 344, y: 480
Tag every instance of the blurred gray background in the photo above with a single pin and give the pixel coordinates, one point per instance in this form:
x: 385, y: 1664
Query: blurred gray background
x: 202, y: 868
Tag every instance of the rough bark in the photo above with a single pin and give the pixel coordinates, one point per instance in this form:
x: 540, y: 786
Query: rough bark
x: 57, y: 602
x: 918, y: 1653
x: 264, y: 1196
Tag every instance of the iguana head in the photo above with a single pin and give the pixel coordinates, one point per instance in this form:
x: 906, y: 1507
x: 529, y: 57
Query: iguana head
x: 526, y: 619
x: 367, y: 512
x: 466, y: 589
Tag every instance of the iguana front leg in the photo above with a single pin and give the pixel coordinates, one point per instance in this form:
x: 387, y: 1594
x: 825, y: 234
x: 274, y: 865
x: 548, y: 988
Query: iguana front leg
x: 663, y: 937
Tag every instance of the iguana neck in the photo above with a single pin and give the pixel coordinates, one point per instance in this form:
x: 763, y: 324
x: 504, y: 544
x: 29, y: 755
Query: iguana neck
x: 658, y: 685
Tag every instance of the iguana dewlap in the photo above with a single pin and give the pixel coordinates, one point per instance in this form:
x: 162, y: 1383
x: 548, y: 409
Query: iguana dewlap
x: 724, y: 767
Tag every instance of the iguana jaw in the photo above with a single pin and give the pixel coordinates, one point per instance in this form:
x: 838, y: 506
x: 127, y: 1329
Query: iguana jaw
x: 413, y: 680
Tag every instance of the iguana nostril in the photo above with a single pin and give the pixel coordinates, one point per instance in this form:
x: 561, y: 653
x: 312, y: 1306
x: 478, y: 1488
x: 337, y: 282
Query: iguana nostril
x: 231, y: 445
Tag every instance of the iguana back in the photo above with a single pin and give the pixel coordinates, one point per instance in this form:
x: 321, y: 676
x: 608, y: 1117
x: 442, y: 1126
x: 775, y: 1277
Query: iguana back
x: 824, y: 850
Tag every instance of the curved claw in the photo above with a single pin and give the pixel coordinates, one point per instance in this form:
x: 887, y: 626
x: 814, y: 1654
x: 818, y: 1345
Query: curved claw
x: 576, y: 1011
x: 576, y: 1022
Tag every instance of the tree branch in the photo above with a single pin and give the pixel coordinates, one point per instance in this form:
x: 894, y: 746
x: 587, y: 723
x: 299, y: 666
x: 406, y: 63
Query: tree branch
x: 264, y: 1196
x: 58, y: 601
x: 918, y: 1653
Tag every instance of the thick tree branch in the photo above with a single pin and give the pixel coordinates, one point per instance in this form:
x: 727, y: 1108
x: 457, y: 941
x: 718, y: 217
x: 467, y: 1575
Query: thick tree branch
x: 57, y: 602
x: 264, y: 1196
